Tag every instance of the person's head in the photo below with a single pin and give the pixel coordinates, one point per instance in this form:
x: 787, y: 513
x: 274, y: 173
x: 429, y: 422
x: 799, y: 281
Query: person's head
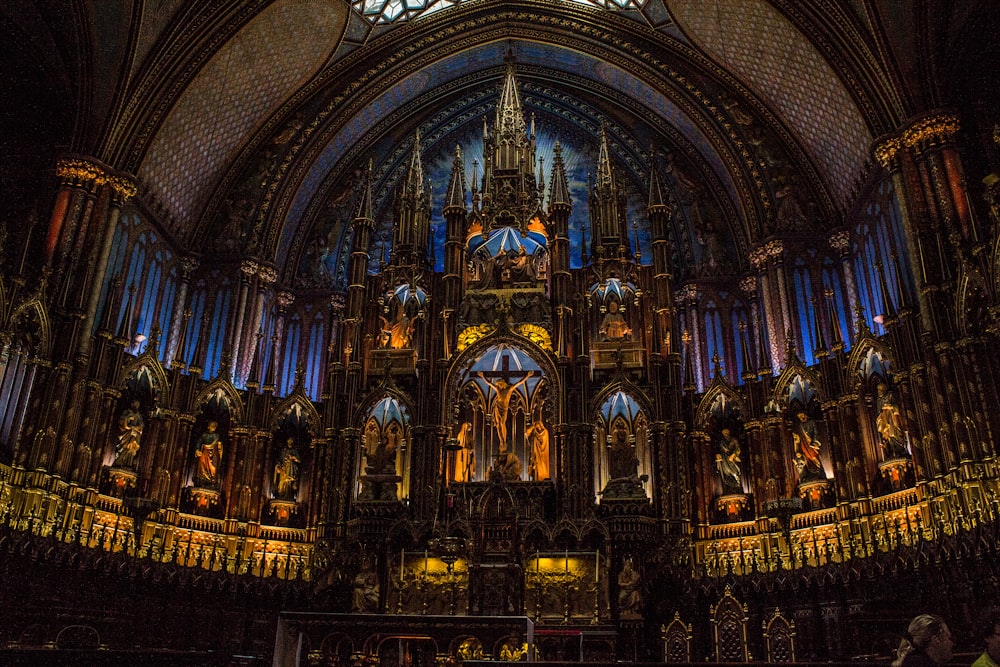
x: 990, y: 627
x: 803, y: 417
x: 930, y: 634
x: 726, y: 433
x: 212, y: 426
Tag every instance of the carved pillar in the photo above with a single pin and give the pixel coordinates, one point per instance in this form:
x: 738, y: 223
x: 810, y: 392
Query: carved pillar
x: 177, y: 318
x: 248, y: 269
x: 121, y: 189
x: 284, y: 300
x: 266, y: 276
x: 841, y: 242
x: 773, y: 321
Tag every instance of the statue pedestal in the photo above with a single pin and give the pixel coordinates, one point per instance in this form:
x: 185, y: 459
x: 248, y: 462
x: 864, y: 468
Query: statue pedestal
x: 379, y: 487
x: 731, y: 506
x: 894, y: 472
x: 282, y: 510
x: 816, y: 495
x: 121, y: 481
x: 203, y: 500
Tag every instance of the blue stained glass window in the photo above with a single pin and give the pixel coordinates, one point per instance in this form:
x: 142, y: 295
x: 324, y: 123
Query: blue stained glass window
x: 290, y: 354
x: 803, y: 303
x: 217, y: 332
x: 119, y: 250
x: 314, y: 359
x: 832, y: 284
x: 738, y: 314
x: 194, y: 329
x: 713, y: 339
x: 166, y: 310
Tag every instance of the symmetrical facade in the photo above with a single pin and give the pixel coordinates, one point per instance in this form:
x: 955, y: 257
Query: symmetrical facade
x: 670, y: 404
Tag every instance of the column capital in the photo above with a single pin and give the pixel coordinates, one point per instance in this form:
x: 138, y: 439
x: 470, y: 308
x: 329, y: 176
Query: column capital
x: 86, y: 172
x: 840, y: 241
x: 267, y: 274
x: 933, y: 127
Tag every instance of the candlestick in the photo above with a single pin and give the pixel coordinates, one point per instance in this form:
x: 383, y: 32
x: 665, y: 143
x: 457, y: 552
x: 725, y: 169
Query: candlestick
x: 566, y: 559
x: 401, y: 559
x: 425, y: 562
x: 597, y: 566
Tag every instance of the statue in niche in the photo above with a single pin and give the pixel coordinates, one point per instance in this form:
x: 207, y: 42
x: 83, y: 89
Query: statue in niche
x: 508, y: 465
x: 366, y: 590
x: 371, y: 440
x: 614, y: 326
x: 805, y: 437
x: 713, y: 253
x: 286, y: 471
x: 384, y: 461
x: 499, y: 405
x: 208, y: 457
x: 789, y: 214
x: 465, y: 458
x: 728, y: 462
x: 621, y: 457
x: 889, y: 424
x: 521, y: 265
x: 130, y: 426
x: 397, y: 334
x: 629, y: 595
x: 538, y: 436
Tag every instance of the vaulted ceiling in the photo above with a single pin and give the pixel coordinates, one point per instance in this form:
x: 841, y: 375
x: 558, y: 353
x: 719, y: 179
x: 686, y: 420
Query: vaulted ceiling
x: 264, y: 112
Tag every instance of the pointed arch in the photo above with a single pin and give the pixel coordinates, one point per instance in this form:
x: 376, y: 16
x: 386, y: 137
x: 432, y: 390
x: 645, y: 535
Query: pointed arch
x: 222, y: 387
x: 312, y: 417
x: 149, y: 364
x: 34, y: 311
x: 719, y: 388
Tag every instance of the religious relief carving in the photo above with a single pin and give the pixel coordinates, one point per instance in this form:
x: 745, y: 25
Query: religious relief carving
x: 500, y: 409
x: 625, y: 461
x: 130, y: 427
x: 384, y: 452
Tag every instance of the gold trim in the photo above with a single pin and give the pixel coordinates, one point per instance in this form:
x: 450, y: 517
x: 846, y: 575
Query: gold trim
x: 926, y: 129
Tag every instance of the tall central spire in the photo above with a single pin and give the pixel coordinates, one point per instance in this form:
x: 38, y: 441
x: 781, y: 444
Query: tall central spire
x: 510, y: 187
x: 510, y: 115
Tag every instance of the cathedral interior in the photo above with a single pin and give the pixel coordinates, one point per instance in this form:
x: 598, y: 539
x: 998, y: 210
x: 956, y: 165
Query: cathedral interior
x: 429, y: 331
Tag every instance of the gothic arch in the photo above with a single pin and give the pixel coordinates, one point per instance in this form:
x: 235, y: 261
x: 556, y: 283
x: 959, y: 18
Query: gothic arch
x: 147, y: 362
x: 308, y: 410
x: 719, y: 388
x: 467, y: 357
x: 222, y: 387
x: 33, y: 312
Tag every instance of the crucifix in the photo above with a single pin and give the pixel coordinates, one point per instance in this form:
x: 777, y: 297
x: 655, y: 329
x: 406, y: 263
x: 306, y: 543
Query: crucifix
x: 499, y: 406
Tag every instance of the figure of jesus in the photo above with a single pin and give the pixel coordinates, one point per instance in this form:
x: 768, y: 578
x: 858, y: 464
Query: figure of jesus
x: 500, y: 405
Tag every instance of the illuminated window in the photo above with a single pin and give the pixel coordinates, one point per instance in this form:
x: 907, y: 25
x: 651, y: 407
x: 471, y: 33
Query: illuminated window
x: 392, y: 11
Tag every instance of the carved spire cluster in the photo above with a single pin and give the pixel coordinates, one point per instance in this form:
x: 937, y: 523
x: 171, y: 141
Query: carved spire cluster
x: 510, y: 191
x: 609, y: 229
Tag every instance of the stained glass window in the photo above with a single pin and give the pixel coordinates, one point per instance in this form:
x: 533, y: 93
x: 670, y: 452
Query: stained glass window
x: 392, y: 11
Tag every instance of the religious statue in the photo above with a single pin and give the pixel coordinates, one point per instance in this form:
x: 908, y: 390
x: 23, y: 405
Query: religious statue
x: 130, y: 426
x: 286, y: 472
x: 208, y: 457
x: 465, y: 458
x: 521, y: 267
x: 805, y: 437
x: 621, y: 457
x: 538, y: 436
x: 614, y: 326
x: 728, y: 460
x: 508, y: 465
x: 500, y: 405
x: 888, y: 422
x: 629, y: 596
x: 365, y: 597
x: 371, y: 439
x: 398, y: 335
x: 384, y: 460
